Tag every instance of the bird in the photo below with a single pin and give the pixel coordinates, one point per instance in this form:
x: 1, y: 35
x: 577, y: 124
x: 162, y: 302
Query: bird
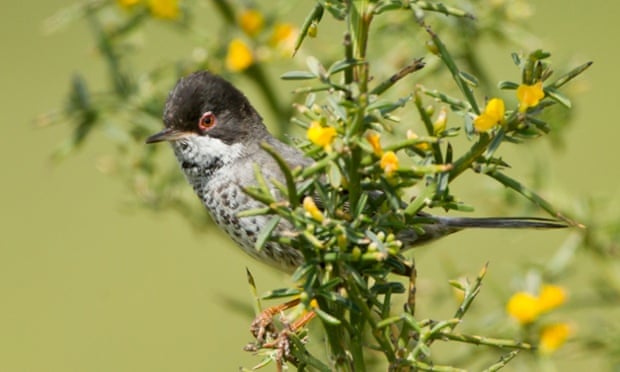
x: 216, y: 136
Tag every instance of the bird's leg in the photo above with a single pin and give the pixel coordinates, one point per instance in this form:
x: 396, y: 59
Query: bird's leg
x: 407, y: 269
x: 412, y: 273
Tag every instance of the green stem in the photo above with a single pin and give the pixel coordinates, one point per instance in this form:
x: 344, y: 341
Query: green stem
x: 479, y: 340
x: 226, y: 10
x: 355, y: 178
x: 348, y: 53
x: 378, y: 333
x: 531, y: 195
x: 359, y: 20
x: 465, y: 161
x: 437, y: 155
x: 503, y: 360
x: 414, y: 66
x: 121, y: 82
x: 336, y: 337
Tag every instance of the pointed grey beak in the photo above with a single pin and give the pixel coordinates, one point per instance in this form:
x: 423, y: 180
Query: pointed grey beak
x: 168, y: 134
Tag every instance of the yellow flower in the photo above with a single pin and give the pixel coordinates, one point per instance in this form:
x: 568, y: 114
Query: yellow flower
x: 166, y: 9
x: 375, y: 141
x: 389, y: 162
x: 524, y: 307
x: 239, y: 56
x: 529, y: 95
x: 550, y: 297
x: 283, y: 38
x: 321, y: 136
x: 424, y: 146
x: 312, y: 209
x: 127, y: 3
x: 251, y: 21
x: 493, y: 114
x: 553, y: 336
x: 281, y: 33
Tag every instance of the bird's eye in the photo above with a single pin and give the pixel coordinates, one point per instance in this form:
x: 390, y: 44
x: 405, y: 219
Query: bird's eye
x: 207, y: 121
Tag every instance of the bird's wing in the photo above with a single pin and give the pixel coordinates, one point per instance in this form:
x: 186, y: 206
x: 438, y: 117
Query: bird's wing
x: 427, y: 227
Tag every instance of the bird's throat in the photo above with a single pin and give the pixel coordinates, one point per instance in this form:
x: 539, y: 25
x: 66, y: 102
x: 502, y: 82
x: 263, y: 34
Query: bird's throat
x: 201, y: 157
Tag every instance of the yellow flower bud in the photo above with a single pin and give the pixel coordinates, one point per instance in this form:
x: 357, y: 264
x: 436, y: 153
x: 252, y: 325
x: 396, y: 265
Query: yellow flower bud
x: 375, y: 141
x: 432, y: 47
x: 356, y: 252
x: 342, y: 241
x: 424, y: 146
x: 311, y: 208
x: 314, y: 303
x: 441, y: 122
x: 313, y: 29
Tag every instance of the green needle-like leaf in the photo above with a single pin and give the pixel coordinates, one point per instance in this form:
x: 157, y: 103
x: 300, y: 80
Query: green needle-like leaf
x: 286, y: 171
x: 265, y: 233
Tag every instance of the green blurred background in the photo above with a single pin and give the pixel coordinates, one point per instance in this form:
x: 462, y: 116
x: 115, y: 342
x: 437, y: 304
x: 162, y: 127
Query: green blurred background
x: 87, y: 284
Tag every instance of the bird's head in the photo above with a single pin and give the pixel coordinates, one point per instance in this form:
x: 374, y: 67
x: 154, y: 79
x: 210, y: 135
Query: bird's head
x: 208, y: 120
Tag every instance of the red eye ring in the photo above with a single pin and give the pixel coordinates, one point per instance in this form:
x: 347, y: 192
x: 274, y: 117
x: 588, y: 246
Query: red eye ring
x: 207, y: 121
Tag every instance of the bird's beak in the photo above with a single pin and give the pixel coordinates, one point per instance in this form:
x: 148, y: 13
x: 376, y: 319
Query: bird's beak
x: 168, y: 134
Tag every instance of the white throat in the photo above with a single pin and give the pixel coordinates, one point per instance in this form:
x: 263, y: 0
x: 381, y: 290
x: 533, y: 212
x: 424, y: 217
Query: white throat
x: 201, y: 156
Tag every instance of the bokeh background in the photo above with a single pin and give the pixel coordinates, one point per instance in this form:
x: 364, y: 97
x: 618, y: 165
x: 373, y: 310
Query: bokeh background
x: 88, y: 284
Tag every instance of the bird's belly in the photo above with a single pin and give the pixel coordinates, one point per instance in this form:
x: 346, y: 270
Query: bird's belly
x: 224, y: 203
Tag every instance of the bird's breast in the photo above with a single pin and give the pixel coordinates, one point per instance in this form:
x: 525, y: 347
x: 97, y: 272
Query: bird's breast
x: 224, y: 199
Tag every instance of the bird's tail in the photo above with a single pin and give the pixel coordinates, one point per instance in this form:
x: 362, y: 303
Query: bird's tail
x: 435, y: 227
x: 500, y: 222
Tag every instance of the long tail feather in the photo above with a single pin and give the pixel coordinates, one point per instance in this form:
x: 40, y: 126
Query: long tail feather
x: 436, y: 227
x: 501, y: 222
